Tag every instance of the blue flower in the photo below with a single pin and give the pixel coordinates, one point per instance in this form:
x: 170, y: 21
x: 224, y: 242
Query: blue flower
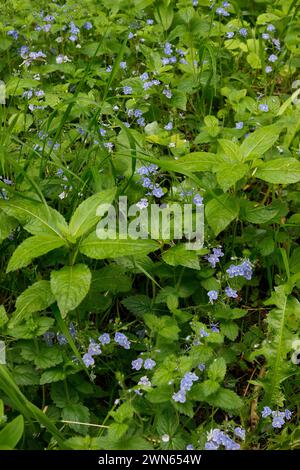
x: 195, y: 3
x: 169, y: 126
x: 94, y: 348
x: 144, y: 76
x: 138, y: 113
x: 123, y: 65
x: 73, y: 28
x: 167, y: 93
x: 127, y: 90
x: 273, y: 58
x: 24, y: 51
x: 211, y: 446
x: 239, y: 125
x: 266, y: 412
x: 213, y: 295
x: 179, y: 397
x: 222, y: 12
x: 130, y: 35
x: 168, y: 48
x: 147, y: 183
x: 157, y: 192
x: 187, y: 381
x: 198, y: 200
x: 265, y: 36
x: 48, y: 338
x: 231, y: 293
x: 203, y: 333
x: 104, y: 338
x: 149, y: 21
x: 201, y: 366
x: 288, y: 414
x: 137, y: 364
x: 278, y: 419
x: 142, y: 203
x: 240, y: 432
x: 229, y: 34
x: 214, y: 327
x: 149, y: 364
x: 190, y: 446
x: 88, y: 360
x: 263, y: 107
x: 122, y: 340
x: 147, y: 170
x: 13, y: 33
x: 62, y: 340
x: 144, y: 381
x: 243, y: 32
x: 271, y: 28
x: 268, y: 69
x: 141, y: 122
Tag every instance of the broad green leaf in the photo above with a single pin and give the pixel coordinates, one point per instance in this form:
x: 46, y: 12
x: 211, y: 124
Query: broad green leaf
x: 180, y: 256
x: 37, y: 218
x: 31, y: 328
x: 230, y: 329
x: 52, y: 375
x: 93, y: 247
x: 12, y: 433
x: 85, y: 216
x: 217, y: 369
x: 256, y: 213
x: 191, y: 163
x: 226, y: 400
x: 110, y: 278
x: 279, y: 171
x: 164, y: 14
x: 257, y: 143
x: 231, y: 150
x: 220, y: 212
x: 36, y: 298
x: 7, y: 224
x: 31, y: 248
x: 69, y: 286
x: 229, y: 173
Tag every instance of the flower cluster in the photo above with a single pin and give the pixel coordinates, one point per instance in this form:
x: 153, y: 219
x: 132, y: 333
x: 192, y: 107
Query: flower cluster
x: 244, y: 270
x: 185, y: 385
x: 217, y: 439
x: 278, y: 417
x: 104, y: 339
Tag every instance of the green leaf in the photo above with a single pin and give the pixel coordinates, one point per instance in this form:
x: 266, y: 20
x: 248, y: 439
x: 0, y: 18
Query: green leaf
x: 231, y: 150
x: 31, y: 248
x: 37, y: 218
x: 85, y: 216
x: 123, y: 413
x: 111, y: 278
x: 138, y: 304
x: 226, y: 400
x: 221, y: 211
x: 52, y: 375
x: 3, y: 316
x: 12, y: 433
x: 230, y: 329
x: 26, y: 375
x: 257, y: 143
x: 217, y: 369
x: 279, y: 171
x: 36, y: 298
x: 180, y: 256
x: 164, y: 14
x: 70, y: 285
x: 77, y: 413
x: 7, y: 224
x: 93, y: 247
x: 255, y: 213
x: 229, y: 173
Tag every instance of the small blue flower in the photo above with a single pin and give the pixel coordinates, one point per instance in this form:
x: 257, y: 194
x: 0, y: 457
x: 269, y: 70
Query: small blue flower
x: 167, y: 93
x: 187, y: 381
x: 190, y: 446
x: 231, y: 293
x: 122, y: 340
x: 141, y: 122
x: 144, y: 76
x: 214, y: 327
x: 273, y: 58
x: 123, y: 65
x: 88, y: 360
x: 213, y: 295
x: 130, y: 35
x: 265, y: 36
x: 271, y: 28
x: 222, y: 12
x: 278, y: 419
x: 168, y: 48
x: 149, y: 21
x: 62, y: 340
x: 268, y: 69
x: 203, y: 333
x: 149, y: 364
x: 198, y: 200
x: 240, y: 432
x: 229, y: 34
x: 157, y: 192
x: 243, y: 32
x: 138, y: 113
x: 288, y: 414
x: 144, y: 381
x: 266, y: 412
x: 48, y: 338
x: 94, y: 348
x: 239, y: 125
x: 13, y: 33
x: 142, y: 203
x: 179, y: 397
x: 211, y: 446
x: 169, y: 126
x: 87, y: 25
x: 201, y: 366
x: 137, y: 364
x: 195, y: 3
x: 127, y: 90
x: 104, y: 338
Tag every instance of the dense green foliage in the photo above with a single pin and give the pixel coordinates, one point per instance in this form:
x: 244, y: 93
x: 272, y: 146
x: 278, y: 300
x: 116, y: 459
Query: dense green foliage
x: 160, y: 101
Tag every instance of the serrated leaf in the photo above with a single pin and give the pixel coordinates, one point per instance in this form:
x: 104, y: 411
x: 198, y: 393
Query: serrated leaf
x: 7, y: 224
x: 230, y: 329
x: 36, y: 298
x: 93, y: 247
x: 52, y: 375
x: 217, y: 369
x: 226, y: 400
x: 279, y: 171
x: 31, y: 248
x: 70, y: 285
x: 85, y: 216
x: 79, y: 413
x: 256, y: 213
